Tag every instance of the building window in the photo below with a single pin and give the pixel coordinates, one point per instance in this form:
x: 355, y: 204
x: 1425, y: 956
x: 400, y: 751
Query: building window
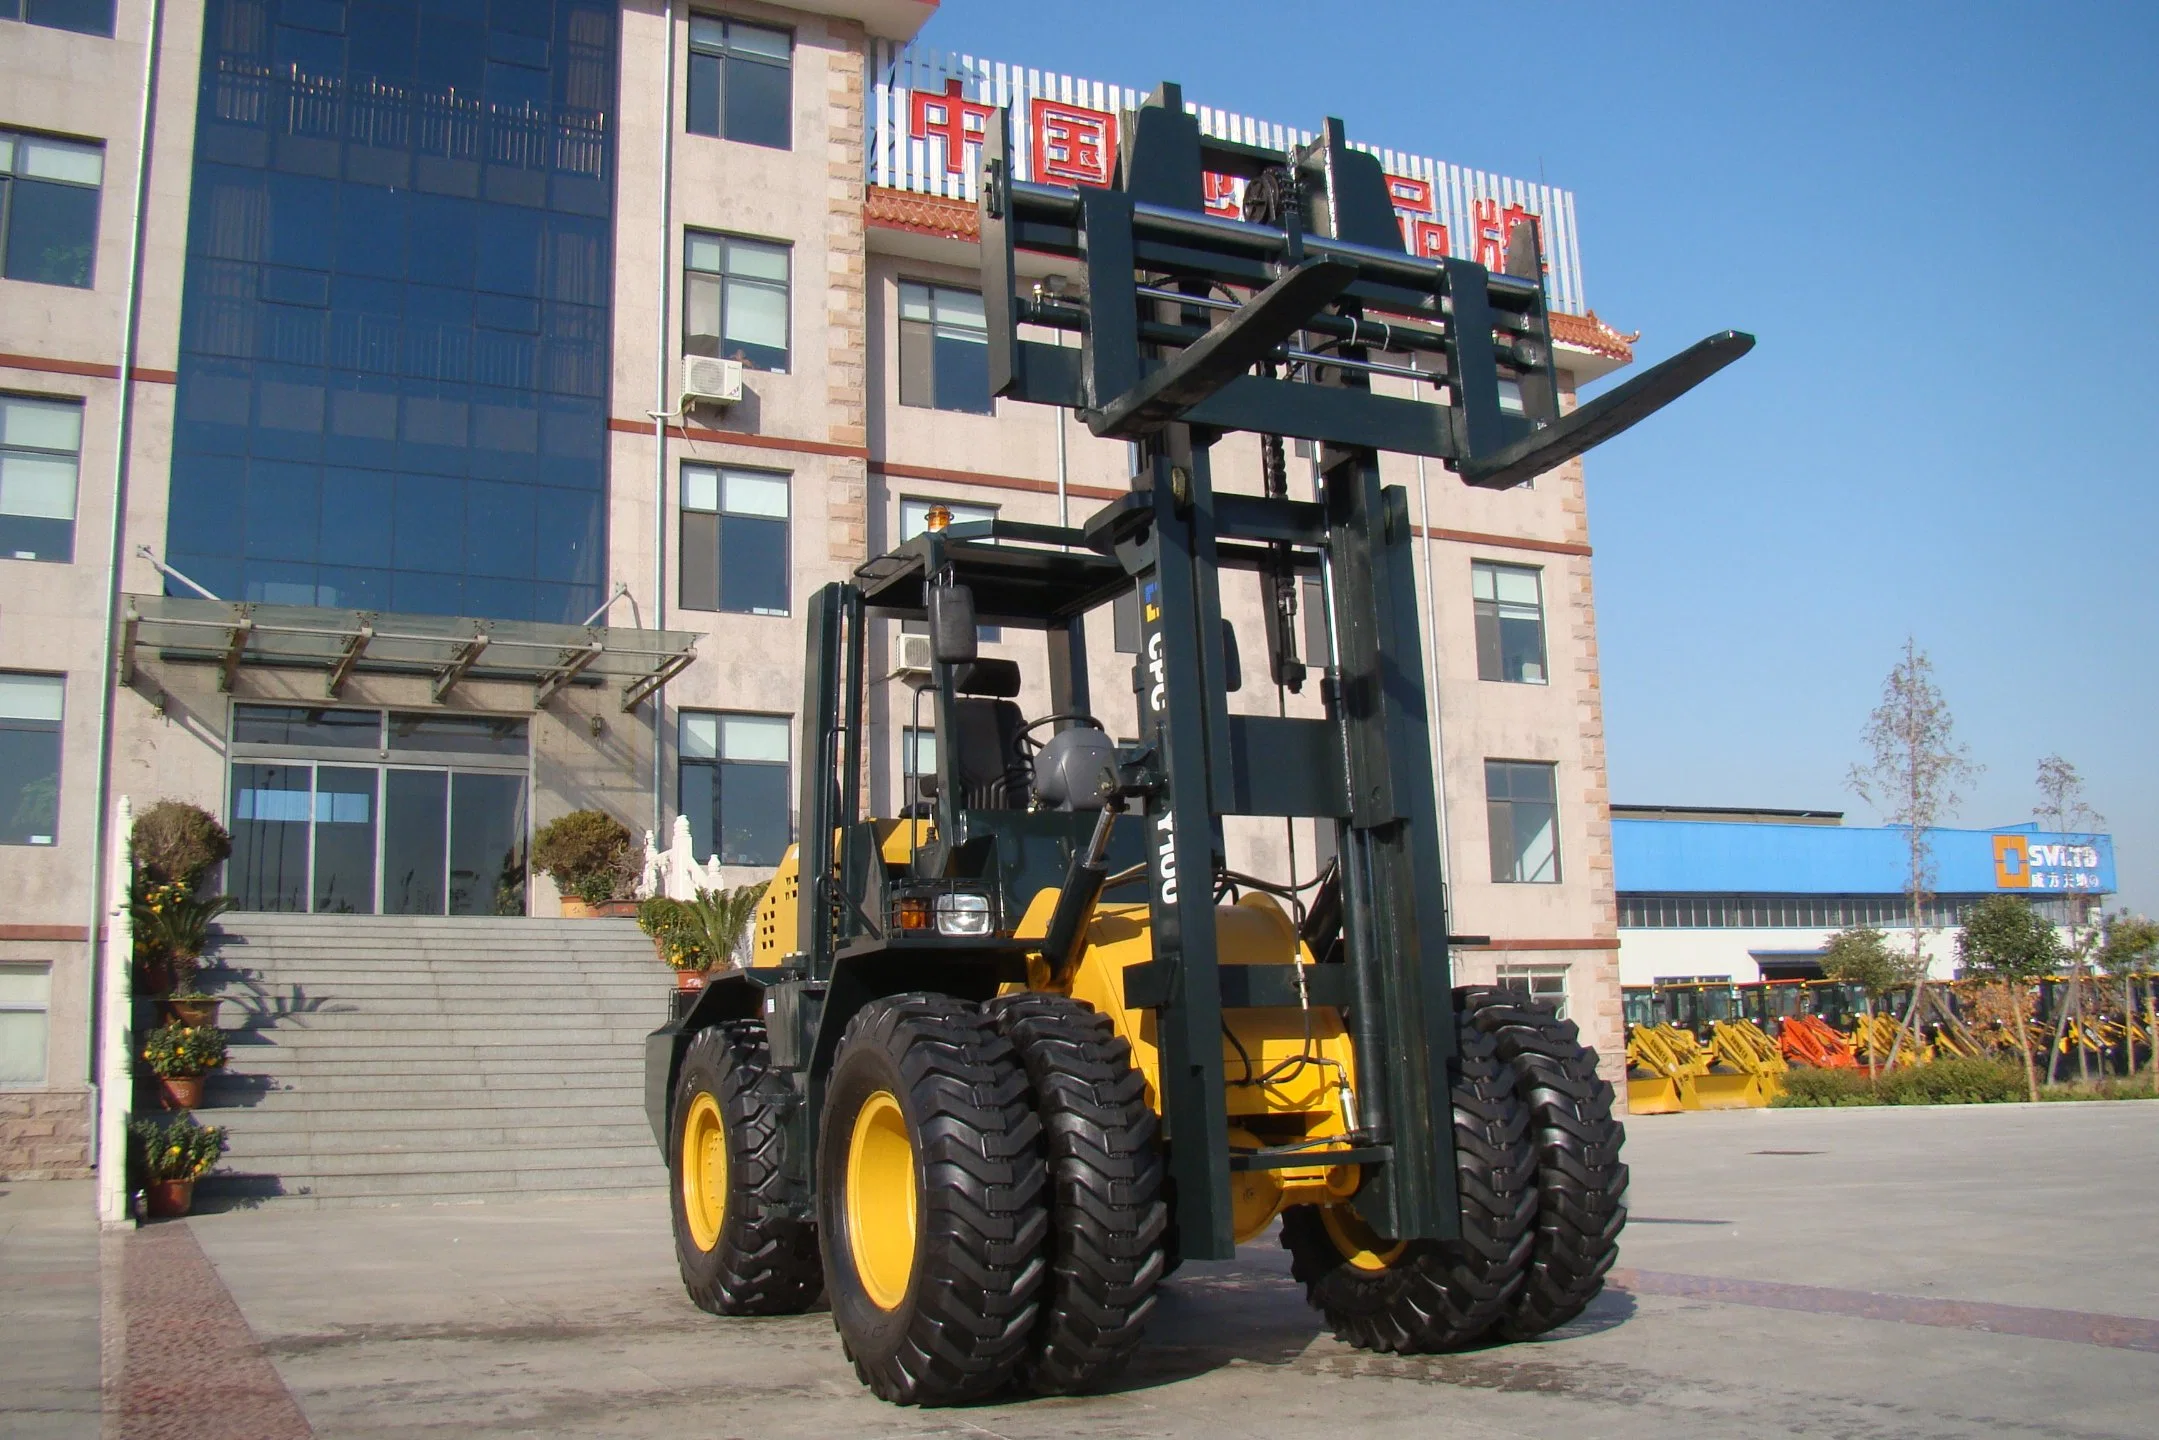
x: 1539, y: 982
x: 1510, y: 622
x: 734, y: 786
x: 734, y: 299
x: 40, y: 455
x: 1521, y: 801
x: 734, y: 540
x: 48, y: 208
x: 84, y: 17
x: 915, y: 514
x: 25, y: 996
x: 29, y: 758
x: 944, y: 349
x: 739, y: 82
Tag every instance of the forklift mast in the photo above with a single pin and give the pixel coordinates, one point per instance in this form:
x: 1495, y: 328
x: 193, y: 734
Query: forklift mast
x: 1192, y: 326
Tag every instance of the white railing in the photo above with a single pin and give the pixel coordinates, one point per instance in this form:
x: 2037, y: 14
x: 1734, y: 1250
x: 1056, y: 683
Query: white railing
x: 675, y: 871
x: 115, y: 1084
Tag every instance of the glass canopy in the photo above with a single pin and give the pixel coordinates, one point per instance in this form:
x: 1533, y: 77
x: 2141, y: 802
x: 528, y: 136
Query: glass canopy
x: 449, y: 649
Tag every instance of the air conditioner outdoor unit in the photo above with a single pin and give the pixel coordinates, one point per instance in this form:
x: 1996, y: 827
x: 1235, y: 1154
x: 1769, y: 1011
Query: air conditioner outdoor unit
x: 709, y: 380
x: 914, y: 656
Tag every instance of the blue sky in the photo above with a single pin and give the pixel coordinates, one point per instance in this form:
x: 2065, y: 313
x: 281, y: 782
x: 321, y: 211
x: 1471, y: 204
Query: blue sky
x: 1938, y: 219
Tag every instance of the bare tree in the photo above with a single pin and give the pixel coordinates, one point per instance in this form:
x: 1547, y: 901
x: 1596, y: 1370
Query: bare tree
x: 2062, y: 809
x: 1912, y: 776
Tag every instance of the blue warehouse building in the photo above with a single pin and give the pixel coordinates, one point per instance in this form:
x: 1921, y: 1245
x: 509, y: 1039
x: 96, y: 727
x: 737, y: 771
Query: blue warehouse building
x: 1745, y: 895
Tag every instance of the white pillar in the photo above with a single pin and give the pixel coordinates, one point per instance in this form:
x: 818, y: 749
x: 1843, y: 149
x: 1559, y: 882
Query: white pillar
x: 115, y: 1040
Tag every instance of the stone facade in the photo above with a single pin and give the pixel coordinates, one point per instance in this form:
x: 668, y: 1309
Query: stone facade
x: 44, y: 1134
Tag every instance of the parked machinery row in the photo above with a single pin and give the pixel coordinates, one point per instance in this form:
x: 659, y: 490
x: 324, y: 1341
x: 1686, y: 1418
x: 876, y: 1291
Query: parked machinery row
x: 1717, y: 1045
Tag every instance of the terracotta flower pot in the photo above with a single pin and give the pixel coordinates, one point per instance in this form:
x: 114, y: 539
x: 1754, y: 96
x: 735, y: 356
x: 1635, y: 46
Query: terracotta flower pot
x: 180, y: 1092
x: 689, y: 980
x: 171, y: 1199
x: 616, y: 909
x: 575, y: 909
x: 201, y: 1010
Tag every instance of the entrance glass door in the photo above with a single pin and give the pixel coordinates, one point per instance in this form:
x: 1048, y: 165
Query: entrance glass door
x: 487, y: 844
x: 415, y: 826
x: 344, y: 840
x: 437, y: 828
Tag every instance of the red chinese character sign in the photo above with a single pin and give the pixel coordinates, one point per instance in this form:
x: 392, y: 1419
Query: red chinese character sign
x: 1072, y: 144
x: 1223, y: 195
x: 952, y: 118
x: 1493, y: 225
x: 1413, y: 209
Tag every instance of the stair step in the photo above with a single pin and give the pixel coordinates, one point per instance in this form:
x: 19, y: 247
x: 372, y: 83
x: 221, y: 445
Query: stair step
x: 426, y: 1059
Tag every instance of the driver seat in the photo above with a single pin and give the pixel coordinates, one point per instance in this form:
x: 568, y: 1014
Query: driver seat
x: 986, y: 764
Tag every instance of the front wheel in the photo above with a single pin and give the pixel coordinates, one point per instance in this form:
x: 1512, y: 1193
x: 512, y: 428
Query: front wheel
x: 1420, y: 1296
x: 931, y: 1201
x: 736, y: 1243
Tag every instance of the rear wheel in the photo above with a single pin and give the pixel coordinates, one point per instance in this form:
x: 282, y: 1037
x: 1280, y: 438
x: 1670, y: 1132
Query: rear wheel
x: 1417, y: 1296
x: 738, y: 1248
x: 1581, y: 1183
x: 931, y: 1205
x: 1107, y: 1216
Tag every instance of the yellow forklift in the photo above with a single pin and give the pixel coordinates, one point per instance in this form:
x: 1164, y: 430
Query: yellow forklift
x: 1002, y: 1061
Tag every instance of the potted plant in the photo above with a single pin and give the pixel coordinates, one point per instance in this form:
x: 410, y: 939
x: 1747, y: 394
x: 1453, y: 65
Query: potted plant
x: 172, y: 929
x: 677, y: 938
x: 723, y: 917
x: 175, y: 1153
x: 587, y: 854
x: 180, y: 1056
x: 174, y: 841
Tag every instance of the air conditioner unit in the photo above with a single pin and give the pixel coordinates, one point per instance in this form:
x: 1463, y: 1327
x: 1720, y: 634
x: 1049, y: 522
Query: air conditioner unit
x: 709, y: 380
x: 914, y: 656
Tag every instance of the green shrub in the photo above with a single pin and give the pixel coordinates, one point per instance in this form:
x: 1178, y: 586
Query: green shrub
x: 1952, y: 1081
x: 1805, y: 1088
x: 587, y: 853
x: 176, y: 842
x: 178, y: 1148
x: 181, y: 1052
x: 2112, y: 1087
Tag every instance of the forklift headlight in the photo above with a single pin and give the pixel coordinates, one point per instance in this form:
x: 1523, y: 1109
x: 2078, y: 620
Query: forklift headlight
x: 963, y: 914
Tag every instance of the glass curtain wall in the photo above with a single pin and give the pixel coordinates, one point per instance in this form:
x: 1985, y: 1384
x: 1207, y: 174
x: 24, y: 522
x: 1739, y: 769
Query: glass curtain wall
x: 396, y: 319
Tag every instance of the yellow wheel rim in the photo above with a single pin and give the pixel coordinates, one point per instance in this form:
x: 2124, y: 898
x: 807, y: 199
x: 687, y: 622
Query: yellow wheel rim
x: 704, y: 1171
x: 881, y: 1200
x: 1356, y: 1242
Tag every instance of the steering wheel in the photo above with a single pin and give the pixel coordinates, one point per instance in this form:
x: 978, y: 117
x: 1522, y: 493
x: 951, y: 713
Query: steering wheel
x: 1029, y: 746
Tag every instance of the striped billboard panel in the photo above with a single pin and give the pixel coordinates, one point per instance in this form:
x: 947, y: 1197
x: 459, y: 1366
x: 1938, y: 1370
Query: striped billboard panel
x: 928, y: 110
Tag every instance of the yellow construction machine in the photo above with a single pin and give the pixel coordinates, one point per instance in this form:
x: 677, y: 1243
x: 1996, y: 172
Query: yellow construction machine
x: 1002, y: 1060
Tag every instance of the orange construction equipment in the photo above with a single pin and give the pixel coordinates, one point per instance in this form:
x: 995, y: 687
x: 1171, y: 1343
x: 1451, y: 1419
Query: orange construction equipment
x: 1812, y: 1041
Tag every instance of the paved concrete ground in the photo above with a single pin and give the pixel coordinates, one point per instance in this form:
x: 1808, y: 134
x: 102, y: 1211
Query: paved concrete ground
x: 1759, y: 1240
x: 49, y: 1306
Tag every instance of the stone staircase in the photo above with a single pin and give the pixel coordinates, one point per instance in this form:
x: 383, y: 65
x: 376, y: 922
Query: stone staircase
x: 380, y: 1060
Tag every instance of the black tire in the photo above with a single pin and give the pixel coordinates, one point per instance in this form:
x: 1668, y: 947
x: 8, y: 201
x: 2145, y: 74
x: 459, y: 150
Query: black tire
x: 1581, y: 1182
x: 761, y: 1260
x: 1107, y: 1216
x: 1432, y: 1295
x: 968, y: 1292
